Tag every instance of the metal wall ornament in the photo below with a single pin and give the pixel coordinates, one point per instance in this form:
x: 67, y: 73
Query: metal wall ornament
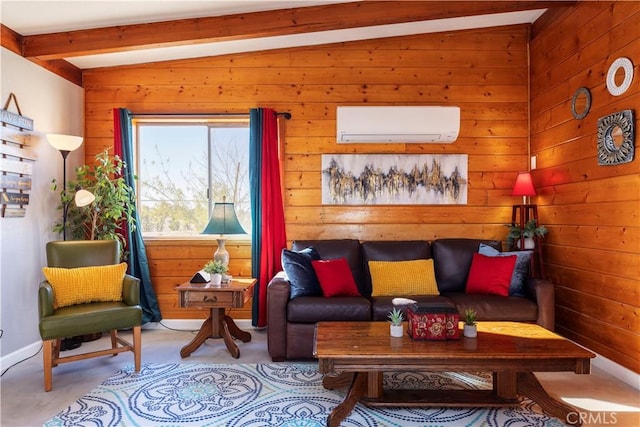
x: 616, y: 135
x: 624, y: 65
x: 581, y: 103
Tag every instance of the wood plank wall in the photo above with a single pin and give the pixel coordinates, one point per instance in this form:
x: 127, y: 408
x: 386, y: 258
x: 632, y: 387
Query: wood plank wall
x: 592, y: 212
x: 485, y: 72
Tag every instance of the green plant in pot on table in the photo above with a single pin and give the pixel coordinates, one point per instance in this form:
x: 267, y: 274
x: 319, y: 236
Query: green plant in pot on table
x: 528, y: 232
x: 396, y: 318
x: 470, y: 328
x: 216, y: 269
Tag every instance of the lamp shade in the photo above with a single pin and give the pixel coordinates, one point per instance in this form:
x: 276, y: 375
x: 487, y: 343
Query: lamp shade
x: 523, y: 185
x: 64, y: 142
x: 223, y: 220
x: 84, y: 198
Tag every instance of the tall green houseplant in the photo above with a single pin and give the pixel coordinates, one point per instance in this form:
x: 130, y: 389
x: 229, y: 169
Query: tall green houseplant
x: 113, y: 207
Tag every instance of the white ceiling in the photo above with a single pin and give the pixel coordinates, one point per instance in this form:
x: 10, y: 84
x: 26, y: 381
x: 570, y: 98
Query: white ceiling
x: 28, y: 17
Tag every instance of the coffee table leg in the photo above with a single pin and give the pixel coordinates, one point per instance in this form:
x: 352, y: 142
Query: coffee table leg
x: 356, y: 391
x: 528, y: 385
x: 336, y: 382
x: 505, y: 385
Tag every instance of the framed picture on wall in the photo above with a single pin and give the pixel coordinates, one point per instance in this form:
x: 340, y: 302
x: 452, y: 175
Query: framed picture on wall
x: 394, y: 179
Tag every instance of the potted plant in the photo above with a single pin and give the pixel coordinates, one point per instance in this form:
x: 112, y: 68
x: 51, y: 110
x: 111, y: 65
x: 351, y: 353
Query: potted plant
x: 216, y: 269
x: 470, y: 328
x: 530, y: 230
x: 113, y: 207
x: 395, y: 317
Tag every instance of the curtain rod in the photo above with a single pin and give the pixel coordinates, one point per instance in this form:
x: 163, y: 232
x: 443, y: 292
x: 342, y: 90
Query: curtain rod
x: 286, y: 115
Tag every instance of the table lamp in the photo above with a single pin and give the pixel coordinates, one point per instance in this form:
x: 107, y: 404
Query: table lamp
x: 223, y: 221
x: 523, y: 186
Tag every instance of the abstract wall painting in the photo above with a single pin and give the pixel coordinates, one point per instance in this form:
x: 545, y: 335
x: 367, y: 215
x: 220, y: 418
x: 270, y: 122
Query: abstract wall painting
x: 394, y: 179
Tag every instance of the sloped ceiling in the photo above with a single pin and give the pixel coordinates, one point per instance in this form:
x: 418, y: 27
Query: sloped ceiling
x: 70, y: 36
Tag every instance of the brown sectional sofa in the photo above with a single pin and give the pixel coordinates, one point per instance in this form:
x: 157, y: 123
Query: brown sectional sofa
x: 291, y: 322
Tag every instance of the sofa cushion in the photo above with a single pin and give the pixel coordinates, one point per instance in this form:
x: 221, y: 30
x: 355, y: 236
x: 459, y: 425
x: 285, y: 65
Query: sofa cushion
x: 335, y: 277
x: 452, y: 261
x: 497, y: 308
x: 516, y: 287
x: 490, y: 275
x: 401, y: 250
x: 318, y: 309
x: 71, y: 286
x: 338, y: 248
x: 402, y: 278
x: 300, y: 272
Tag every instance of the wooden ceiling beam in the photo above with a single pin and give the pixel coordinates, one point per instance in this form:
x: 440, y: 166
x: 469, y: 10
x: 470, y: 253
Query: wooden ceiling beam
x: 13, y: 41
x: 261, y: 24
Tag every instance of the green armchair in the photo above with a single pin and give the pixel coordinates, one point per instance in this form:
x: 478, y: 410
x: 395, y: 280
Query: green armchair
x: 87, y: 317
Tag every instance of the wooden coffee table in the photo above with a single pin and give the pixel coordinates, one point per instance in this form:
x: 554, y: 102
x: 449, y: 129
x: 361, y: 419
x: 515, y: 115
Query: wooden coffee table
x: 217, y: 299
x: 356, y: 354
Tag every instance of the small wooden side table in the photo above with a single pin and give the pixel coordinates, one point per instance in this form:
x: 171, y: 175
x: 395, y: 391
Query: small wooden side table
x: 217, y: 299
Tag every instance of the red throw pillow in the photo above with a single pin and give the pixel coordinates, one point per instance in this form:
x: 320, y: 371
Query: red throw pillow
x: 335, y: 277
x: 490, y: 275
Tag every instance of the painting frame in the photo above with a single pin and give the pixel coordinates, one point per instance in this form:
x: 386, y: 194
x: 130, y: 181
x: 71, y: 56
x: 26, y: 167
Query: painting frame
x: 394, y: 179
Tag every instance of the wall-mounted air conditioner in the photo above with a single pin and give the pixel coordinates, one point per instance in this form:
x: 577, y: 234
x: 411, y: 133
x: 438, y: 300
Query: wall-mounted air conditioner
x: 410, y: 124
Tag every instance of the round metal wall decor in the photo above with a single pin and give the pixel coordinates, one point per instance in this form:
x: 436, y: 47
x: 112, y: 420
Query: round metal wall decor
x: 581, y: 103
x: 626, y: 66
x: 616, y: 138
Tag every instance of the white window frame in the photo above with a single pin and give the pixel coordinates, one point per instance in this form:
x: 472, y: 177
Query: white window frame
x: 214, y: 120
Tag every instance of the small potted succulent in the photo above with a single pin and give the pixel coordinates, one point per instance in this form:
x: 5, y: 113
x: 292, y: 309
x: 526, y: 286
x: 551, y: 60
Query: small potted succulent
x: 470, y: 328
x: 395, y: 317
x: 216, y: 269
x: 530, y: 230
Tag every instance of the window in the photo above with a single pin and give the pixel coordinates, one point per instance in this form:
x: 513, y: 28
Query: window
x: 180, y: 162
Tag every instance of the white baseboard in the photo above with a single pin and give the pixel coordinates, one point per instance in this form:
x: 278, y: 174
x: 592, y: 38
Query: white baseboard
x: 625, y: 375
x: 19, y: 355
x: 600, y: 362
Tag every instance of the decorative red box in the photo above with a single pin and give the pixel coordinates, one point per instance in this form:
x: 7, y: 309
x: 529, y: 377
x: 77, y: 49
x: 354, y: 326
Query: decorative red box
x: 433, y: 321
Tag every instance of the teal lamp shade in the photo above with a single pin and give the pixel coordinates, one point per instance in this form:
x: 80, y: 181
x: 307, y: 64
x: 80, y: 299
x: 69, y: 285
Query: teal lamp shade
x: 223, y: 221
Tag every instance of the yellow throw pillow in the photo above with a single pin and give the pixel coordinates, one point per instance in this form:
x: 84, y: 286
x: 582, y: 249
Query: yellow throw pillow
x: 403, y: 278
x: 85, y: 284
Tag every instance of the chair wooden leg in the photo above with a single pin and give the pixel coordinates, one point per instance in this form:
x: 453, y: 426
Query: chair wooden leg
x: 56, y: 350
x: 137, y: 346
x: 114, y: 340
x: 47, y: 358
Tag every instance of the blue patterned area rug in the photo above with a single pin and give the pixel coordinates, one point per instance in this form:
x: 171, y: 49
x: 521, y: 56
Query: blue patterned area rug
x: 277, y: 394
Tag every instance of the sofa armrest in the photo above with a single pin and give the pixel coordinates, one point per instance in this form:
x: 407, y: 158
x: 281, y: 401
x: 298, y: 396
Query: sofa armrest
x: 277, y: 299
x: 542, y: 292
x: 45, y: 299
x: 131, y: 290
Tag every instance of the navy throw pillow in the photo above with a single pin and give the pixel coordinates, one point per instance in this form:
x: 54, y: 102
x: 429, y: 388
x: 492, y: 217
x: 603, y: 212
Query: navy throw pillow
x: 516, y: 288
x: 302, y: 277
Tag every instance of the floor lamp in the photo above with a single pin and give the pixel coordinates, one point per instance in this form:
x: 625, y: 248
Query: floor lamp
x: 223, y: 221
x: 525, y: 212
x: 64, y: 144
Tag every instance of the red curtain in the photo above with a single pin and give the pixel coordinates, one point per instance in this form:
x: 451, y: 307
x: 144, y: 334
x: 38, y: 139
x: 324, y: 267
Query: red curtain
x: 273, y: 235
